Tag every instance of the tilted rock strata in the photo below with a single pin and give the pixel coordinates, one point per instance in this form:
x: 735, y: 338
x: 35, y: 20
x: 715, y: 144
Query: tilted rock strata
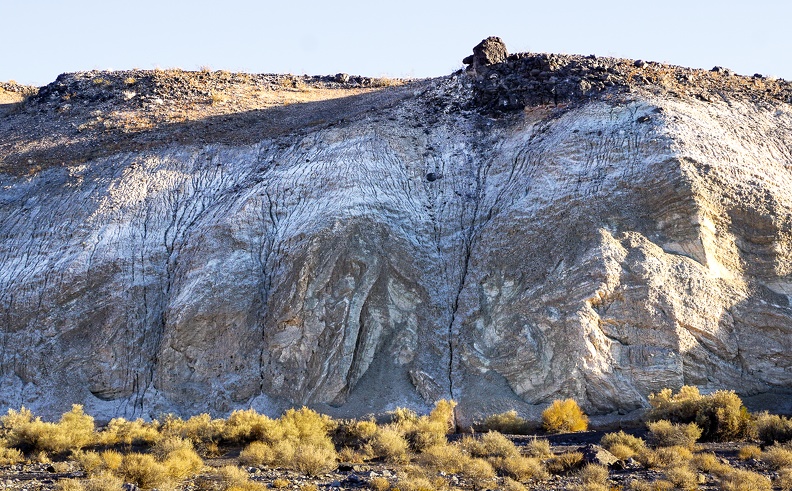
x: 601, y: 249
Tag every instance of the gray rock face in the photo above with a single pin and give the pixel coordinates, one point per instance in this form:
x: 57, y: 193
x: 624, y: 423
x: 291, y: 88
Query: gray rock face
x: 601, y: 250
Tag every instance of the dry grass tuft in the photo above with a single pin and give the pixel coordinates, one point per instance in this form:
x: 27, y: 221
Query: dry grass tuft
x: 565, y: 463
x: 777, y: 456
x: 748, y: 452
x: 743, y: 480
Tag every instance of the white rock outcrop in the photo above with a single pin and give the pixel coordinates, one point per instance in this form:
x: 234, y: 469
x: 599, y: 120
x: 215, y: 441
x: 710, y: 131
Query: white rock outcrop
x: 600, y: 250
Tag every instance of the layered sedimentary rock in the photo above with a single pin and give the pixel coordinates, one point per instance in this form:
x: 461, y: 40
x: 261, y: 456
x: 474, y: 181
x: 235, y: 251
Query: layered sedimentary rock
x: 473, y: 237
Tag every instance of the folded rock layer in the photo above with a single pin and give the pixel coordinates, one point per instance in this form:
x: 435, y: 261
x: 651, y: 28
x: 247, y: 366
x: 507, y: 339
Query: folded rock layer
x: 479, y: 237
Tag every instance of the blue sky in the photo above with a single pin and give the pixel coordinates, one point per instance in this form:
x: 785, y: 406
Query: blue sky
x: 407, y: 38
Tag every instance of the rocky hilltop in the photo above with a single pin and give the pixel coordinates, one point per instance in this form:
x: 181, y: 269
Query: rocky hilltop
x: 533, y: 227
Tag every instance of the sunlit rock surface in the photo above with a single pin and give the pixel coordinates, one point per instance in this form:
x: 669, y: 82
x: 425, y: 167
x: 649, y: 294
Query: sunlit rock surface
x: 414, y: 246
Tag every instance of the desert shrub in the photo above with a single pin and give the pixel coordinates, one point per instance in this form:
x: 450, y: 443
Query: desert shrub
x: 280, y: 483
x: 69, y: 485
x: 708, y: 462
x: 508, y: 422
x: 666, y: 457
x: 231, y: 475
x: 90, y: 462
x: 74, y: 431
x: 427, y: 433
x: 305, y: 426
x: 748, y: 452
x: 137, y: 432
x: 771, y: 428
x: 415, y: 484
x: 667, y: 434
x: 379, y: 484
x: 622, y: 445
x: 777, y: 456
x: 611, y: 440
x: 313, y: 459
x: 521, y: 468
x: 445, y: 458
x: 78, y: 426
x: 721, y: 415
x: 10, y: 456
x: 538, y: 447
x: 656, y: 485
x: 402, y: 415
x: 564, y: 463
x: 182, y: 463
x: 389, y: 443
x: 443, y: 413
x: 593, y: 474
x: 743, y: 480
x: 200, y: 428
x: 784, y: 479
x: 257, y: 454
x: 104, y: 481
x: 112, y: 459
x: 564, y: 416
x: 170, y: 444
x: 354, y: 434
x: 143, y: 470
x: 490, y: 444
x: 477, y: 470
x: 510, y: 484
x: 309, y: 487
x: 682, y: 477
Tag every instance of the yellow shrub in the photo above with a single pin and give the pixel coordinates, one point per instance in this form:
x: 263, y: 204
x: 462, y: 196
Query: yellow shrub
x: 136, y: 432
x: 443, y: 412
x: 112, y: 459
x: 257, y: 454
x: 427, y: 433
x: 200, y: 428
x: 564, y: 416
x: 771, y: 428
x: 143, y: 470
x: 593, y: 474
x: 609, y: 440
x: 314, y: 459
x: 182, y: 463
x: 742, y: 480
x: 445, y: 458
x: 379, y: 484
x: 90, y: 462
x: 490, y: 444
x: 10, y: 456
x: 521, y: 468
x: 747, y: 452
x: 565, y: 462
x: 74, y: 431
x: 103, y: 481
x: 667, y: 434
x: 389, y: 444
x: 777, y: 456
x: 538, y: 447
x: 508, y: 422
x: 478, y: 469
x: 231, y: 475
x: 280, y: 483
x: 720, y: 415
x: 69, y: 485
x: 415, y: 484
x: 708, y: 462
x: 510, y: 484
x: 682, y: 477
x: 784, y: 479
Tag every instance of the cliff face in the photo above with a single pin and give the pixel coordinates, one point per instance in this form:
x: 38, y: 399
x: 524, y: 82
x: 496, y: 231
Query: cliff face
x: 378, y: 248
